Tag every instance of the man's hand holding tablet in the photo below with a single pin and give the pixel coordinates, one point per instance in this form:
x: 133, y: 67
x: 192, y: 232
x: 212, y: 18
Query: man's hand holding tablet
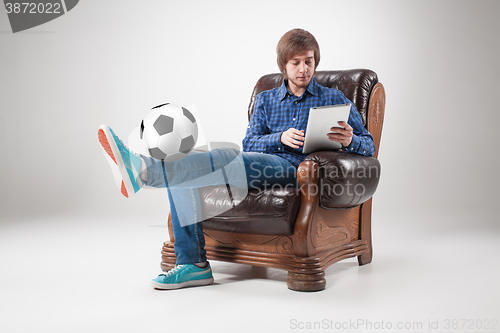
x: 293, y: 138
x: 342, y: 134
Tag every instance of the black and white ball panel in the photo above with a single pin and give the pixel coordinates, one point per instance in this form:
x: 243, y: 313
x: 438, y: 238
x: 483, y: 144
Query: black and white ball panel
x: 169, y: 132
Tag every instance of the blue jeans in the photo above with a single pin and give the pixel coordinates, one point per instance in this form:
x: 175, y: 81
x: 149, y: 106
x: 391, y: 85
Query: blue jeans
x: 242, y: 170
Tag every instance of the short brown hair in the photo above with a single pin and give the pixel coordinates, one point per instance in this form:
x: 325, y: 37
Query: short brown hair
x: 294, y: 42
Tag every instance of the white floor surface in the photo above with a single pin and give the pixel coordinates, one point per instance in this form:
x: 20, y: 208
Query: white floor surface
x: 89, y: 274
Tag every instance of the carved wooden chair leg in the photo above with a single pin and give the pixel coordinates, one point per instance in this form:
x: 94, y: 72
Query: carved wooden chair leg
x: 365, y: 258
x: 366, y: 232
x: 306, y: 282
x: 168, y: 255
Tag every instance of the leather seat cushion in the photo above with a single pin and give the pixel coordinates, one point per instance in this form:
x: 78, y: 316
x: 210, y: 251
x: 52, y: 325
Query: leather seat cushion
x: 262, y: 212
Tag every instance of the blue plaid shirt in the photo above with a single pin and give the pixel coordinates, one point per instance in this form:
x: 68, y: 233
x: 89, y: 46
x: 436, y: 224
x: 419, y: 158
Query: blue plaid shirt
x: 277, y: 110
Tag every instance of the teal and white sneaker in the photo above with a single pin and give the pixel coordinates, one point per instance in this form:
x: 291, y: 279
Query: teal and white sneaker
x: 125, y: 164
x: 182, y: 276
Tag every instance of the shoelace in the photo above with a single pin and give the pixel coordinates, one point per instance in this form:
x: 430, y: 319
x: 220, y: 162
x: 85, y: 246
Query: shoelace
x: 172, y: 271
x: 124, y: 147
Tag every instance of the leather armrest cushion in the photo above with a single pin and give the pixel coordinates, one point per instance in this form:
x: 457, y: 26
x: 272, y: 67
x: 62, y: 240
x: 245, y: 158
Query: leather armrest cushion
x: 346, y: 180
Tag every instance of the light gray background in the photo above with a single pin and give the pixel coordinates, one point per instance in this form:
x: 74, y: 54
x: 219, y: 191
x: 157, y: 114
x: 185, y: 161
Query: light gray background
x: 110, y: 61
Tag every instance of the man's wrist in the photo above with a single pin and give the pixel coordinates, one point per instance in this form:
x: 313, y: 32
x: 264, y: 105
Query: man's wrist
x: 275, y: 143
x: 354, y: 145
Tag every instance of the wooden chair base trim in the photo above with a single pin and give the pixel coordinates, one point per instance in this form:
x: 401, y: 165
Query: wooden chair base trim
x: 304, y: 273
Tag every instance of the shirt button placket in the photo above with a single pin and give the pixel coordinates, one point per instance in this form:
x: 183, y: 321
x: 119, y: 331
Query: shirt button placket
x: 295, y: 111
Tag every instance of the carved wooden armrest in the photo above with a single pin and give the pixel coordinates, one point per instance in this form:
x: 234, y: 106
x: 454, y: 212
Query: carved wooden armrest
x: 307, y: 177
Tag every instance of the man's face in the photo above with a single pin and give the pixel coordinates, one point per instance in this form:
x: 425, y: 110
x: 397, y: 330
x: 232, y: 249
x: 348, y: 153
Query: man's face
x: 300, y: 70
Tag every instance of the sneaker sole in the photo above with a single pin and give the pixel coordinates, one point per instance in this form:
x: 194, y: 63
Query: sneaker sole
x: 113, y: 156
x: 192, y: 283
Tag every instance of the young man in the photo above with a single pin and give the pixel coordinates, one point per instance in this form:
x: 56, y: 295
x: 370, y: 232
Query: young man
x: 273, y: 143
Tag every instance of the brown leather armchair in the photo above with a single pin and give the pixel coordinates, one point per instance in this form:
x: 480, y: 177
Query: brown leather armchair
x: 303, y: 230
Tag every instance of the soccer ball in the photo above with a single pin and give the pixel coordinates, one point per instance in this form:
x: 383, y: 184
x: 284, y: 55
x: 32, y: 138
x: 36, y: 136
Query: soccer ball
x: 169, y: 132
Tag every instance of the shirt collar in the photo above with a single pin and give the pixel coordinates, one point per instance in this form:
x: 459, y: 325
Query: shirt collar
x: 312, y: 88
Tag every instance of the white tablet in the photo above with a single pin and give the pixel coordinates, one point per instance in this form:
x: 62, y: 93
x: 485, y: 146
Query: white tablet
x: 321, y: 119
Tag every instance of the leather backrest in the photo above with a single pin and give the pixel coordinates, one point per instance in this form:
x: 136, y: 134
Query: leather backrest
x: 356, y: 84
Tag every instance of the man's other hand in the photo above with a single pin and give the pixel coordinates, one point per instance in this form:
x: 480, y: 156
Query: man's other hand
x: 293, y: 138
x: 342, y: 134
